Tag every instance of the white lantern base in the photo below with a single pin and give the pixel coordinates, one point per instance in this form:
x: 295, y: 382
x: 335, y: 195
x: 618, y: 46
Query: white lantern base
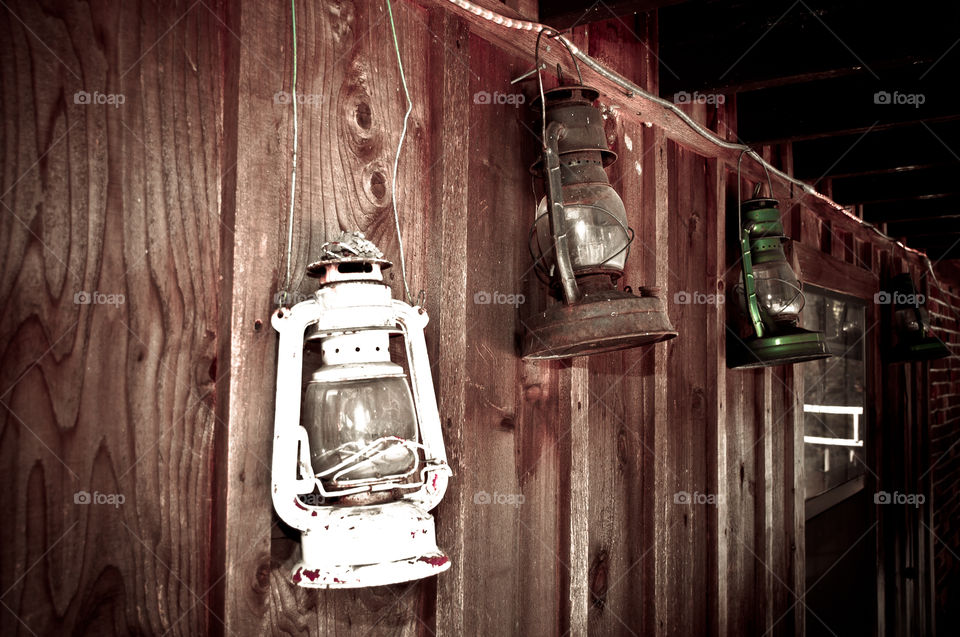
x: 373, y: 545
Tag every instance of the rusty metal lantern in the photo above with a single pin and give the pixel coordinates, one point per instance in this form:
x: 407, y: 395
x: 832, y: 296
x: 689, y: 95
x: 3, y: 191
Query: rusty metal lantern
x: 358, y: 458
x: 581, y: 240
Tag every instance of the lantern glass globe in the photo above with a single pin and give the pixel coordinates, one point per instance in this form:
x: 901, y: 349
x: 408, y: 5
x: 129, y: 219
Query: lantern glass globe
x: 778, y: 291
x: 343, y: 418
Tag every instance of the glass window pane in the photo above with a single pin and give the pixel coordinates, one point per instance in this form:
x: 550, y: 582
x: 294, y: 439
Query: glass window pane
x: 833, y: 402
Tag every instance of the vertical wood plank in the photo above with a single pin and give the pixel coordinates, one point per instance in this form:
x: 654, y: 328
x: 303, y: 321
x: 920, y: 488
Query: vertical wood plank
x: 716, y: 397
x: 351, y: 114
x: 449, y: 51
x: 688, y: 500
x: 579, y: 498
x: 654, y: 234
x: 499, y: 536
x: 618, y: 451
x: 763, y: 410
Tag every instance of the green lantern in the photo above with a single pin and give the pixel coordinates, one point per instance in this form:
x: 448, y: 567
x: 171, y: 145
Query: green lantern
x: 771, y: 296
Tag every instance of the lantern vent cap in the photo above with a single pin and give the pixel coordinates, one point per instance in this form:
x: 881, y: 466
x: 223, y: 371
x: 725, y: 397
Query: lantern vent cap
x: 351, y: 256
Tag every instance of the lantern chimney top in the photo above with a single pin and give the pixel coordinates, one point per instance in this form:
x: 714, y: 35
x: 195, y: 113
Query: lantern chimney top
x: 350, y: 257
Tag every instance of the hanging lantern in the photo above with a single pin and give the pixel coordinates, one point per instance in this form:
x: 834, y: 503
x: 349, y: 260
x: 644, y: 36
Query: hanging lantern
x: 357, y: 465
x: 912, y: 337
x: 770, y: 295
x: 582, y: 241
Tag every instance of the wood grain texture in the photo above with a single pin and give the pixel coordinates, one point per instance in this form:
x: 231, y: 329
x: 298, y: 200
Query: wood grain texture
x: 177, y: 199
x: 109, y: 231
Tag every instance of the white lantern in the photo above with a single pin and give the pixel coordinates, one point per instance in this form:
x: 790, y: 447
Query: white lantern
x: 359, y: 464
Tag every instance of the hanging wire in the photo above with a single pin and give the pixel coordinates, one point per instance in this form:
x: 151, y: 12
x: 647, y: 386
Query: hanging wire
x: 282, y: 297
x: 396, y: 159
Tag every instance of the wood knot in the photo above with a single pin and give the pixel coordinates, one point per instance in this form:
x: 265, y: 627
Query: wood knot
x: 533, y: 393
x: 262, y: 584
x: 363, y: 115
x: 622, y: 447
x: 342, y: 15
x: 599, y: 579
x: 375, y: 184
x: 694, y: 223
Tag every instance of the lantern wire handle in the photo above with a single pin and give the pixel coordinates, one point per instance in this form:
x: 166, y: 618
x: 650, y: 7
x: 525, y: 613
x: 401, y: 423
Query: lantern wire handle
x: 282, y: 297
x: 396, y: 159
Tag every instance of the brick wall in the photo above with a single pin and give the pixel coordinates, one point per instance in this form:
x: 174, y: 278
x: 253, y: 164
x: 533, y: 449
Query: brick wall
x: 944, y: 308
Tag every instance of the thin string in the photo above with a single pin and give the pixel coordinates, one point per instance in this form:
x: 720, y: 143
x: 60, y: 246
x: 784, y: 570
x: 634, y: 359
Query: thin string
x: 396, y: 159
x: 293, y: 175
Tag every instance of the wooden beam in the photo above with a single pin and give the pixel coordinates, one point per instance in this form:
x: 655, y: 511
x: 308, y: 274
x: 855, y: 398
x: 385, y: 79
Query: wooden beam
x: 920, y: 208
x: 757, y: 44
x: 859, y: 103
x: 825, y: 271
x: 879, y: 151
x: 934, y: 227
x: 935, y: 180
x: 938, y: 246
x: 565, y: 14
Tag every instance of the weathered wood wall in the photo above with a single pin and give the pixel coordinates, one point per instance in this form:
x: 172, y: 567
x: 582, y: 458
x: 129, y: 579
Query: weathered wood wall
x: 178, y: 200
x: 109, y: 227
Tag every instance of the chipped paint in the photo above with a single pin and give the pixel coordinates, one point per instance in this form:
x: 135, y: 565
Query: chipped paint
x: 628, y: 142
x: 436, y: 560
